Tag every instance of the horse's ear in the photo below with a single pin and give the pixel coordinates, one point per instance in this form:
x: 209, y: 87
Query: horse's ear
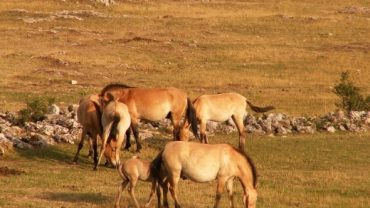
x: 110, y: 96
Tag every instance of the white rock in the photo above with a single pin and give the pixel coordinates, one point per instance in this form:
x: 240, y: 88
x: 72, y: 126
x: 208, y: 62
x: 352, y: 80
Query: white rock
x: 330, y: 129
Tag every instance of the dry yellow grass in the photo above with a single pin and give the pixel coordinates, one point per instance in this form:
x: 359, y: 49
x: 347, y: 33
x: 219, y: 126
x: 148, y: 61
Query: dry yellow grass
x: 287, y: 53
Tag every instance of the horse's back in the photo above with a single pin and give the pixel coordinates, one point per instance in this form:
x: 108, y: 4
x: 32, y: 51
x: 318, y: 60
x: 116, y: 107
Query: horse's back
x: 155, y: 103
x: 87, y: 112
x: 199, y: 162
x: 219, y: 107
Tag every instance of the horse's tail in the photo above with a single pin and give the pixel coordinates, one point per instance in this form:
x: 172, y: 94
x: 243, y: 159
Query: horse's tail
x: 191, y: 118
x: 259, y: 109
x: 98, y: 114
x: 113, y: 132
x: 251, y: 165
x: 155, y: 167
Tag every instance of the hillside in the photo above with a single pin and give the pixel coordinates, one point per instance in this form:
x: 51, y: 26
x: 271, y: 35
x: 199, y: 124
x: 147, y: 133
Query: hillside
x: 286, y: 53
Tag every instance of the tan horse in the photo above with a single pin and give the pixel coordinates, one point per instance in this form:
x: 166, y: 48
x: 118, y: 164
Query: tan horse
x: 89, y: 114
x: 207, y: 162
x: 116, y: 121
x: 221, y: 107
x: 133, y: 170
x: 153, y: 104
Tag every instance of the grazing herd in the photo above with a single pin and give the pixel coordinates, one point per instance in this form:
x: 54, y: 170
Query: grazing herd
x: 117, y: 110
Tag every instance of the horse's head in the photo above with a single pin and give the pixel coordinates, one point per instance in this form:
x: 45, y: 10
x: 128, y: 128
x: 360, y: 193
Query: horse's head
x: 110, y: 152
x: 106, y: 98
x: 184, y: 132
x: 250, y: 198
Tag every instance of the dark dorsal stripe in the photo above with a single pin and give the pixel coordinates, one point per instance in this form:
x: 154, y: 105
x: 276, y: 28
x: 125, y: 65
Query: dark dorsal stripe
x: 114, y: 86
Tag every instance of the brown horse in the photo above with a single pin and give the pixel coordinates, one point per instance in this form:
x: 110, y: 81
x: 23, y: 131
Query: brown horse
x: 220, y: 107
x: 207, y: 162
x: 133, y: 170
x: 153, y: 104
x: 89, y: 114
x: 116, y: 121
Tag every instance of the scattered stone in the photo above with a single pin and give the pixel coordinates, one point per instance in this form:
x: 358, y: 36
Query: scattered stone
x: 331, y: 129
x: 54, y: 110
x: 73, y: 82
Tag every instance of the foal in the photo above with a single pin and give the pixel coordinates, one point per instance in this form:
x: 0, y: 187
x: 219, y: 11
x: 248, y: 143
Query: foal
x: 133, y: 170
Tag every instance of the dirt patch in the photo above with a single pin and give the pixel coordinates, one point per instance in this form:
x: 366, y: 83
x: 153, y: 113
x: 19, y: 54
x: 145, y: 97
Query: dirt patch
x: 5, y: 171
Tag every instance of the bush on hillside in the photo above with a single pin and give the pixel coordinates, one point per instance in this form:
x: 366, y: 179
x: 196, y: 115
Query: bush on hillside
x: 36, y: 109
x: 351, y: 99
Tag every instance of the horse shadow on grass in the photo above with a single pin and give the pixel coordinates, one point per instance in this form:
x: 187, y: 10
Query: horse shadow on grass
x: 73, y: 197
x: 54, y: 153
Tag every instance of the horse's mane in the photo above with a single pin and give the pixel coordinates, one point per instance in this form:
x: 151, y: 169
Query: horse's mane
x: 113, y: 86
x: 251, y: 164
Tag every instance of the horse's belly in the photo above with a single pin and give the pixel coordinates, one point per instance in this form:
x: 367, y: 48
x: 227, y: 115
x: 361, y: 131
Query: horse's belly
x: 154, y: 114
x: 204, y: 174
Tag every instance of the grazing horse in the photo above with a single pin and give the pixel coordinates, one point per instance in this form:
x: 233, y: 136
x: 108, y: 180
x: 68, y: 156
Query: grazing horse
x: 153, y: 104
x: 133, y: 170
x: 116, y: 121
x: 207, y: 162
x: 220, y: 107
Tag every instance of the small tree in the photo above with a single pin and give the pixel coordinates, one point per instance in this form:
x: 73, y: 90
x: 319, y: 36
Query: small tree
x: 351, y: 99
x: 36, y: 109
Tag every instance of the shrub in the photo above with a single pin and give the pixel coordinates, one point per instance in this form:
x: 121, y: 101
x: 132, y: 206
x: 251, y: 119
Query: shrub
x: 351, y: 99
x: 36, y: 109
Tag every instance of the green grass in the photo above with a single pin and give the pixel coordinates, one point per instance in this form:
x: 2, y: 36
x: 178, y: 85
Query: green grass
x: 323, y: 170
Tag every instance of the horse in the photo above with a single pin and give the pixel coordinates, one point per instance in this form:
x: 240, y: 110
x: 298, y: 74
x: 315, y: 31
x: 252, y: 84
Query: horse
x: 207, y: 162
x: 115, y: 120
x: 153, y: 104
x: 133, y: 170
x: 89, y: 115
x: 220, y: 107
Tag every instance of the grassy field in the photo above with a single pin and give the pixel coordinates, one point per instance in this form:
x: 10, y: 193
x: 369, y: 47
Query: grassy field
x: 285, y: 53
x: 325, y: 170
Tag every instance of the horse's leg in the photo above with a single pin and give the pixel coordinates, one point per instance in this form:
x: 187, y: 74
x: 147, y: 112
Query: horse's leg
x: 158, y: 187
x: 152, y: 190
x: 135, y: 129
x: 133, y: 182
x: 175, y: 119
x: 173, y: 188
x: 120, y: 190
x: 220, y: 189
x: 106, y: 132
x: 203, y: 126
x: 165, y: 194
x: 91, y: 150
x: 229, y: 188
x: 128, y: 139
x: 238, y: 120
x: 95, y: 149
x: 80, y: 145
